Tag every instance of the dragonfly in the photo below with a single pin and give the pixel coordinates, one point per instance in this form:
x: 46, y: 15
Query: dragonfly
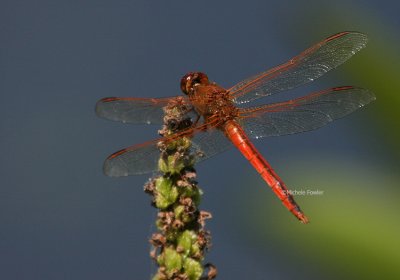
x: 222, y: 119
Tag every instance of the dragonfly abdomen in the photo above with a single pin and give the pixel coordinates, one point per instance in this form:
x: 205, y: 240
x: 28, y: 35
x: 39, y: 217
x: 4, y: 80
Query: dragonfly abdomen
x: 239, y: 138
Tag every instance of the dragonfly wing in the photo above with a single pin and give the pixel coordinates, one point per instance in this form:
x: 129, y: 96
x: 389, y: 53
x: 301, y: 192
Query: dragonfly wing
x: 304, y: 68
x: 209, y: 143
x: 142, y: 159
x: 305, y: 113
x: 135, y: 110
x: 139, y: 159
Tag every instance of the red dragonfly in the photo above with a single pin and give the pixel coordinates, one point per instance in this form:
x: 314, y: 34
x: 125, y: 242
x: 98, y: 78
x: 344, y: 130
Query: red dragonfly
x: 219, y: 121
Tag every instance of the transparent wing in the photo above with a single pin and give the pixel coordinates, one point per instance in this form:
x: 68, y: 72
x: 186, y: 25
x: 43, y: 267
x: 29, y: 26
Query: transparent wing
x: 304, y: 68
x: 135, y: 110
x: 143, y: 158
x: 305, y: 113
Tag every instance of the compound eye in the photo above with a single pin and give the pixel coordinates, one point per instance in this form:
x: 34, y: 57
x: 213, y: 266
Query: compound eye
x: 187, y: 83
x: 191, y: 79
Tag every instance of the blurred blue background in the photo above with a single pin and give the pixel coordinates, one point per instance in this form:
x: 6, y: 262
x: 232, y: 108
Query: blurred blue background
x: 61, y: 218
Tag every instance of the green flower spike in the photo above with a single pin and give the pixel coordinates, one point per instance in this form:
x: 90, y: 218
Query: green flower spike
x: 180, y: 244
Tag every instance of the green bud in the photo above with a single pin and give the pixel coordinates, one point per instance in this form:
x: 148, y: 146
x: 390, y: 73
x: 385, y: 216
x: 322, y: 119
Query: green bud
x: 195, y: 249
x: 185, y: 241
x: 194, y: 193
x: 172, y: 261
x: 176, y: 164
x: 178, y: 211
x: 166, y: 193
x: 187, y: 218
x: 197, y: 196
x: 162, y: 165
x: 193, y: 269
x: 185, y: 143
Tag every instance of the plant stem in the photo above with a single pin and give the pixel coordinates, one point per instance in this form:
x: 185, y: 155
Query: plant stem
x: 181, y: 241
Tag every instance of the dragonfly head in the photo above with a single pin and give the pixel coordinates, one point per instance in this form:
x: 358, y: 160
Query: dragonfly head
x: 192, y: 79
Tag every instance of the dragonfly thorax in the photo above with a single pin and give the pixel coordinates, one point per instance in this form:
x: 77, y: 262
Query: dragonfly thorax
x: 209, y: 99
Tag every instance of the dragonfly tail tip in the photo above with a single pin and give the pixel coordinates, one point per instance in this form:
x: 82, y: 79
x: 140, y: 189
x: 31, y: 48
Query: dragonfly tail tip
x: 303, y: 219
